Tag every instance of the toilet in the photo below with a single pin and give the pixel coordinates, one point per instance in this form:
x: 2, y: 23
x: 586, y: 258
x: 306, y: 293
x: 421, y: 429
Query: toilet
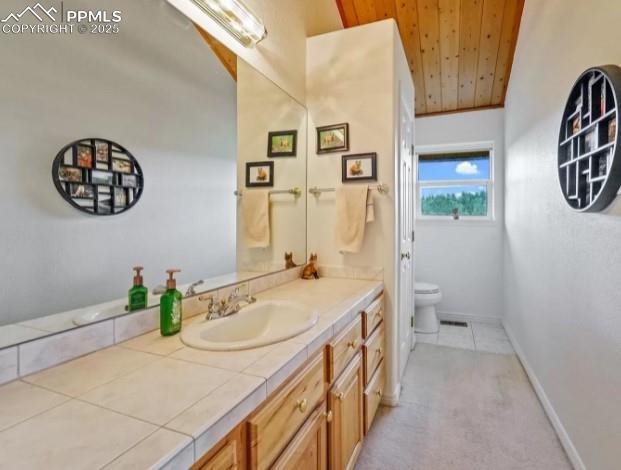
x: 426, y: 296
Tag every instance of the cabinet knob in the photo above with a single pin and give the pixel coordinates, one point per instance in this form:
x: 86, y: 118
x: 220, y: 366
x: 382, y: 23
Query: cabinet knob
x: 353, y: 344
x: 379, y: 313
x: 340, y: 396
x: 380, y: 350
x: 379, y: 392
x: 328, y: 416
x: 302, y: 405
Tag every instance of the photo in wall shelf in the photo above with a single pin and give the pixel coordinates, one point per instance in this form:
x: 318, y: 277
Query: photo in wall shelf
x: 334, y: 138
x: 102, y: 152
x: 97, y: 176
x: 84, y: 156
x: 359, y: 167
x: 282, y: 143
x: 259, y: 174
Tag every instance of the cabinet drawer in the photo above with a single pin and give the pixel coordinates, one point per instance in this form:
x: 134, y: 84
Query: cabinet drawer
x: 308, y: 449
x: 372, y: 316
x: 373, y: 395
x: 271, y: 429
x: 373, y: 352
x: 341, y: 350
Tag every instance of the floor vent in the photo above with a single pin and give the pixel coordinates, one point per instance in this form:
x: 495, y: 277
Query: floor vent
x: 454, y: 323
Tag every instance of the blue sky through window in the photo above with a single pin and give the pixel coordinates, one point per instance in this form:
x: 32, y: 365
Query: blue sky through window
x: 474, y: 168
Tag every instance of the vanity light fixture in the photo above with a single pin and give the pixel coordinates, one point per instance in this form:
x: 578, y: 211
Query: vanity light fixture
x: 236, y: 18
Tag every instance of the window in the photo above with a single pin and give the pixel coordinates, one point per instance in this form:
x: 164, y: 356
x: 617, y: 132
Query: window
x: 455, y: 184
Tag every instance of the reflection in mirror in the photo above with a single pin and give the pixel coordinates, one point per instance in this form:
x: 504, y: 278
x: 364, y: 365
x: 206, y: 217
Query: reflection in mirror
x: 271, y: 174
x: 178, y: 115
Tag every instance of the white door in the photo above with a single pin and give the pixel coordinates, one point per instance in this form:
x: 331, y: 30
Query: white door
x: 406, y: 229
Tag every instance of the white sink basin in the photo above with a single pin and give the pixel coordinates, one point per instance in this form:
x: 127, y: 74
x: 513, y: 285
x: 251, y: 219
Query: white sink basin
x: 259, y: 324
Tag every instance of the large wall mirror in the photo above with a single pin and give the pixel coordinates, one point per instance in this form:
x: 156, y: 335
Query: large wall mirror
x: 222, y: 150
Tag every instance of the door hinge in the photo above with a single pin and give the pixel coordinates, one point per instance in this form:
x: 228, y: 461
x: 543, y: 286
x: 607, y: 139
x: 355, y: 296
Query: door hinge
x: 412, y: 322
x: 412, y: 149
x: 413, y: 236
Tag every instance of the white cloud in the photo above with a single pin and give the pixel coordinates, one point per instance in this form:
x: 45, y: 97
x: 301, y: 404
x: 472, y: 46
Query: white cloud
x: 467, y: 168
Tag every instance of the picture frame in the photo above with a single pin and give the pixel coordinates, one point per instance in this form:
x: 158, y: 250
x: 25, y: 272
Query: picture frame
x: 84, y: 156
x: 82, y: 191
x: 102, y: 152
x: 102, y: 177
x: 69, y: 174
x: 122, y: 166
x: 282, y: 143
x: 333, y: 138
x: 130, y: 181
x: 359, y: 167
x: 120, y: 197
x: 259, y: 174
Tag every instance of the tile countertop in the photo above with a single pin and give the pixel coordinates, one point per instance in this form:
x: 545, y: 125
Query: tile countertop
x: 151, y: 402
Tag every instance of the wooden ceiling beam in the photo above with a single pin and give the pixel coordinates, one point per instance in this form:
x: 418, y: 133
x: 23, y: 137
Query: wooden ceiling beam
x: 407, y: 20
x: 428, y: 14
x: 449, y: 52
x: 506, y: 49
x: 491, y: 28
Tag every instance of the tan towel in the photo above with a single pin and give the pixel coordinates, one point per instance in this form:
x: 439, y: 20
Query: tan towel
x: 351, y: 216
x: 255, y: 211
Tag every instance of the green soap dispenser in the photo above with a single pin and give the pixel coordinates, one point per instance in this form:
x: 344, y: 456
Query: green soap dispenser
x: 139, y: 294
x: 170, y: 306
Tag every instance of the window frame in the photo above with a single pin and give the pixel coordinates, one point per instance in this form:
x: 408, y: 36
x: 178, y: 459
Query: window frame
x: 487, y: 146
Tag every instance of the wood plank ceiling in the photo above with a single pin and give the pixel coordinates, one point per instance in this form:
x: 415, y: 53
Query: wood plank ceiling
x: 460, y: 52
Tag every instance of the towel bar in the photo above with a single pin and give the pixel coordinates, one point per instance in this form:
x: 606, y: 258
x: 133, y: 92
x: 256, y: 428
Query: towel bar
x: 297, y: 192
x: 381, y: 188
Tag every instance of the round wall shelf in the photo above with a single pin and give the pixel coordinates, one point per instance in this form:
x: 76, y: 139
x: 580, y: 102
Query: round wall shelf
x: 589, y: 160
x: 98, y: 176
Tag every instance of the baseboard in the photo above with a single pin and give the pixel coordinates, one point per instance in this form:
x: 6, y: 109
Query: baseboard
x: 392, y: 399
x: 570, y: 449
x: 469, y: 317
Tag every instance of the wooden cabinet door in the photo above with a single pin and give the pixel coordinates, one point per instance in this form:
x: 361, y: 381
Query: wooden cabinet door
x: 346, y: 429
x: 228, y: 454
x: 308, y: 449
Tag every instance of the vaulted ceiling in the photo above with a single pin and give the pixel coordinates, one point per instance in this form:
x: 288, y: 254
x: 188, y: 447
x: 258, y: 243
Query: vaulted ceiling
x: 460, y: 52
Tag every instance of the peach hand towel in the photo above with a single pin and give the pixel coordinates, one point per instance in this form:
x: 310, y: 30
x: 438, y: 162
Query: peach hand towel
x: 256, y: 214
x: 351, y: 215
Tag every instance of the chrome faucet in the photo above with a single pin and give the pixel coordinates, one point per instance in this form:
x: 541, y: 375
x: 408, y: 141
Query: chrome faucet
x: 225, y: 307
x: 159, y: 290
x: 191, y: 290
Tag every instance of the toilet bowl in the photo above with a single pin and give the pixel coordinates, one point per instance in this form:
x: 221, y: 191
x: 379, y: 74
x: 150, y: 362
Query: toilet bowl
x: 426, y: 297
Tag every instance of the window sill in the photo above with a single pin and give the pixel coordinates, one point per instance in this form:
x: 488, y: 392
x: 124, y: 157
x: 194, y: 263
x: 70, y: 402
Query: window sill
x: 459, y: 222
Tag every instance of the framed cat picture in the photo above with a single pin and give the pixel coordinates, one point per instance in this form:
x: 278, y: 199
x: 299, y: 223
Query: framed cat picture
x: 259, y: 174
x: 333, y: 138
x: 282, y: 143
x: 359, y: 167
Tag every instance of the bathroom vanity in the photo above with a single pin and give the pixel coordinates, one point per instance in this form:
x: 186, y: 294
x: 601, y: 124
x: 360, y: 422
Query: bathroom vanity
x: 319, y: 416
x: 154, y: 402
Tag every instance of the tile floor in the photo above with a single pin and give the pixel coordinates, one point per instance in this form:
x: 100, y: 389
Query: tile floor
x: 482, y: 337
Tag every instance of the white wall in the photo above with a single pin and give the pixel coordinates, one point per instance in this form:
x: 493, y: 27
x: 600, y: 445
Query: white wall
x: 174, y: 112
x: 464, y: 257
x: 351, y: 78
x: 263, y: 107
x: 563, y: 268
x: 281, y: 56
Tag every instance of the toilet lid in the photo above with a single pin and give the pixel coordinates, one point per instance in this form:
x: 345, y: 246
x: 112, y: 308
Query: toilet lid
x: 426, y: 288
